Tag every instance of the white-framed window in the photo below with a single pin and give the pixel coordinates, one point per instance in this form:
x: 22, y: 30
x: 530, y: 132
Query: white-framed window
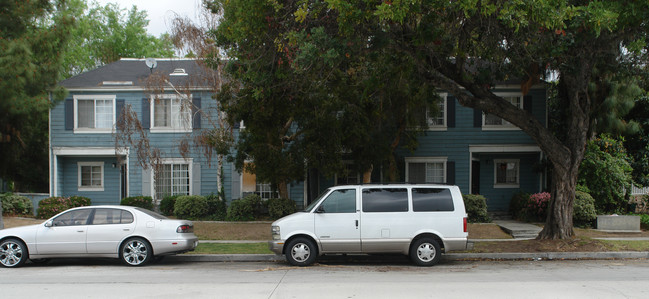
x: 174, y: 178
x: 171, y: 113
x: 94, y: 113
x: 426, y: 170
x: 250, y: 185
x: 496, y: 123
x: 506, y: 173
x: 90, y: 176
x: 438, y: 120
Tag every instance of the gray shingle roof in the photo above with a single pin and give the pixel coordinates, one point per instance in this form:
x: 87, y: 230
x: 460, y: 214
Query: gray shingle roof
x: 115, y: 74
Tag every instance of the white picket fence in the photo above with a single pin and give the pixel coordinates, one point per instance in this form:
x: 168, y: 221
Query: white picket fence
x: 639, y: 191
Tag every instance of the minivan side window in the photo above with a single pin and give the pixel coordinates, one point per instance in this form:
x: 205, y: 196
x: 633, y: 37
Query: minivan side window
x: 385, y: 200
x: 339, y: 201
x: 432, y: 200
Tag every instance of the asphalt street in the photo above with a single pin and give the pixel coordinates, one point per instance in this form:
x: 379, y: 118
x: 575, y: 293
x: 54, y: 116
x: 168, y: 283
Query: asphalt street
x: 331, y: 278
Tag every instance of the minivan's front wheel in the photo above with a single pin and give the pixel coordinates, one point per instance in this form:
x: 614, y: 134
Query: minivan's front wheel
x: 425, y: 252
x: 301, y: 252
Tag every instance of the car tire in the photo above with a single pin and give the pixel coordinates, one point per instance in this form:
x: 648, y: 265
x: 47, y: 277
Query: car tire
x: 13, y: 253
x: 425, y: 252
x: 39, y: 261
x: 301, y: 252
x: 135, y: 252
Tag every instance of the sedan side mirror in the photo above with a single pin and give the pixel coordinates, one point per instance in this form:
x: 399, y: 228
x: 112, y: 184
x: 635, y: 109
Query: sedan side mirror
x: 320, y: 210
x: 48, y: 223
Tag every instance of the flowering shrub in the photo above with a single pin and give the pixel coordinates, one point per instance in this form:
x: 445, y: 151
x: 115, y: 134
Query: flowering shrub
x: 145, y: 202
x: 53, y: 205
x: 537, y: 205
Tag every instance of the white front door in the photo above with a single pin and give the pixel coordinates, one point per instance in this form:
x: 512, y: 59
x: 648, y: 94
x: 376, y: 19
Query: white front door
x: 337, y: 222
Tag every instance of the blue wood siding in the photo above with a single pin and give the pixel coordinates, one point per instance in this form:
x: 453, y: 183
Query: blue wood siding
x: 166, y: 142
x: 110, y: 194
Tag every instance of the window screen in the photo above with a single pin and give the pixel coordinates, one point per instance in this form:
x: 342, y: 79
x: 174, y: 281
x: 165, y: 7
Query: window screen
x: 432, y: 200
x: 385, y: 200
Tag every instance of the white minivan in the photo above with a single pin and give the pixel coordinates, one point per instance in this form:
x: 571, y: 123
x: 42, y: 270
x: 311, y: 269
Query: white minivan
x: 420, y: 220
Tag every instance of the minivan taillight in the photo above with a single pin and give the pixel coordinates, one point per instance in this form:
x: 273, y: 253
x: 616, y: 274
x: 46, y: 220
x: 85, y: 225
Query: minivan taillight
x: 465, y: 224
x: 185, y: 228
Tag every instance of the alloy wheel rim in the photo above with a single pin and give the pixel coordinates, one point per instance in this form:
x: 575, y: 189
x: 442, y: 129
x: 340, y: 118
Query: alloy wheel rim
x: 10, y: 254
x: 135, y: 252
x: 426, y: 252
x: 300, y: 252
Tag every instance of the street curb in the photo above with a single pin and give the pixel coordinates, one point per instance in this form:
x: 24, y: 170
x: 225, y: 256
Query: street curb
x: 446, y: 257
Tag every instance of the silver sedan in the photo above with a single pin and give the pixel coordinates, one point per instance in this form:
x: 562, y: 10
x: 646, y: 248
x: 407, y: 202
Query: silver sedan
x: 134, y: 235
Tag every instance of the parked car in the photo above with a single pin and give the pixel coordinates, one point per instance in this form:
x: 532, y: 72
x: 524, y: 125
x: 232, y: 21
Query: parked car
x: 132, y: 234
x: 421, y: 221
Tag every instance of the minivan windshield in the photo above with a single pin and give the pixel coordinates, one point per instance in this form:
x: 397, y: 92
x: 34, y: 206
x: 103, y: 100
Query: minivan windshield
x: 315, y: 201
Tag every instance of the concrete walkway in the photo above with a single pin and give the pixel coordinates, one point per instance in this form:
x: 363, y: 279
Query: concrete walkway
x: 519, y: 230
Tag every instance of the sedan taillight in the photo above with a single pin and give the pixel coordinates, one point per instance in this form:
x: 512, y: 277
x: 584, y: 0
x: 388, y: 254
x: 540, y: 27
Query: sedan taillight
x: 185, y: 228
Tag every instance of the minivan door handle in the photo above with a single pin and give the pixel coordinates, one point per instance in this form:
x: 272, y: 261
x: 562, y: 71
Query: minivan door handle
x: 357, y: 224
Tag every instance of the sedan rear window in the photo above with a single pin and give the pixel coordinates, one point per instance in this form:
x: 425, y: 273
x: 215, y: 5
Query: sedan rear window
x: 112, y: 216
x: 151, y: 213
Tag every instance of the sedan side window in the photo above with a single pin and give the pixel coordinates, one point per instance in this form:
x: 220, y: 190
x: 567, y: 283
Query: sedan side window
x: 112, y: 216
x: 76, y: 217
x: 340, y: 201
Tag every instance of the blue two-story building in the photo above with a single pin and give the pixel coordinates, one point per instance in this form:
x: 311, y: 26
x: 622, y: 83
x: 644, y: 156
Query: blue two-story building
x: 480, y: 153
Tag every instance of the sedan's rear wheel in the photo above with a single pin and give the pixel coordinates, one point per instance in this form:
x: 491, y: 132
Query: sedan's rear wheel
x: 136, y: 252
x: 13, y: 253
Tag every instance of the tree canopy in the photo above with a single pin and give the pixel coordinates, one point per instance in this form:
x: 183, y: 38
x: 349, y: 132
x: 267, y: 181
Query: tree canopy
x: 33, y: 37
x: 104, y: 34
x: 595, y: 49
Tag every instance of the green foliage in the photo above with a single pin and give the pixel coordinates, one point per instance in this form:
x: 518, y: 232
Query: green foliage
x: 280, y: 207
x: 217, y: 208
x: 145, y: 202
x: 644, y: 220
x: 476, y: 208
x: 606, y: 172
x: 105, y: 34
x: 33, y: 38
x: 191, y: 207
x: 517, y: 205
x: 583, y: 213
x: 167, y: 204
x: 637, y: 143
x: 13, y: 204
x: 245, y: 209
x: 53, y: 205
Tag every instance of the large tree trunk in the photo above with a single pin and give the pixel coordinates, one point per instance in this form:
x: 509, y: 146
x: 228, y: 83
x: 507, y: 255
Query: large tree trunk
x: 558, y: 224
x: 282, y: 188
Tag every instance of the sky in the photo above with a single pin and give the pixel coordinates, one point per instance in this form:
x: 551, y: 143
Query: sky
x: 160, y: 12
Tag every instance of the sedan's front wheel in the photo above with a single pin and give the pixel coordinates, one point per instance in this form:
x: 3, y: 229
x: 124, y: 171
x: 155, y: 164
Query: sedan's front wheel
x: 135, y: 252
x: 13, y: 253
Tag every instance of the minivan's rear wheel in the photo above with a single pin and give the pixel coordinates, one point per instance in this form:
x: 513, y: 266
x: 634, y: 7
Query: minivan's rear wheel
x: 13, y: 253
x: 425, y: 252
x: 301, y: 252
x: 135, y: 252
